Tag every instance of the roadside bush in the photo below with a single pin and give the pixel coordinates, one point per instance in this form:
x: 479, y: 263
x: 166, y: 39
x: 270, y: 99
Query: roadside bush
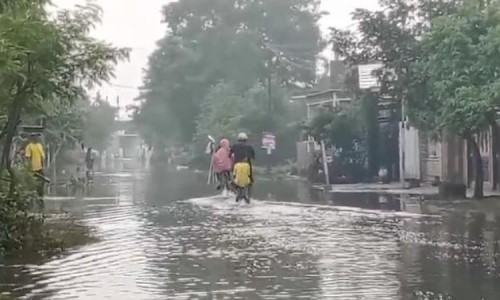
x: 23, y: 226
x: 343, y: 132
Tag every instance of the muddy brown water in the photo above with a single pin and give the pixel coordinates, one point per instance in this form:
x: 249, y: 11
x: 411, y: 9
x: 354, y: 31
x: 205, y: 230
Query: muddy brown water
x: 163, y: 236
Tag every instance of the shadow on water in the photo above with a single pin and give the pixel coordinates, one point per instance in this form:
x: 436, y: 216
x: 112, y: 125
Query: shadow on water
x: 164, y: 236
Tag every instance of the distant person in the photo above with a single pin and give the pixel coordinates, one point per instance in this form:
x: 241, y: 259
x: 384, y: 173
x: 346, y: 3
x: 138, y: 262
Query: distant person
x: 243, y: 155
x: 223, y: 165
x: 36, y: 156
x: 89, y: 163
x: 149, y: 154
x: 142, y: 155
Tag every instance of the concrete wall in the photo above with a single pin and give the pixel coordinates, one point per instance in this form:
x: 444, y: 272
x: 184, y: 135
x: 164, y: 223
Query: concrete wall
x: 430, y: 158
x: 409, y: 140
x: 486, y: 149
x: 449, y: 159
x: 305, y: 156
x: 453, y: 152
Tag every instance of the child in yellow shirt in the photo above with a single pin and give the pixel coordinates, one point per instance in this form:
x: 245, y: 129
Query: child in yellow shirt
x: 242, y: 181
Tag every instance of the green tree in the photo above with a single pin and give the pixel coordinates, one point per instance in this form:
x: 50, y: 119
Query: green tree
x: 241, y: 42
x: 99, y: 124
x: 460, y: 59
x: 48, y: 62
x: 385, y: 36
x: 285, y: 26
x: 68, y: 125
x: 344, y: 130
x: 227, y: 111
x: 222, y: 111
x: 64, y: 128
x: 390, y: 36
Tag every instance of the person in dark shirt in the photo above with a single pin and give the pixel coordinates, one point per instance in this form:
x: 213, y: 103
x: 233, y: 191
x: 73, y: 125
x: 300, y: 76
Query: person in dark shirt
x: 243, y: 154
x: 242, y: 151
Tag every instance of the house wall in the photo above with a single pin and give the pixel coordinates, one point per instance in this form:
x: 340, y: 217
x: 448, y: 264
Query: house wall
x: 450, y: 160
x: 319, y: 102
x: 430, y: 158
x: 409, y: 141
x: 313, y: 110
x: 305, y: 156
x: 486, y: 150
x: 315, y: 103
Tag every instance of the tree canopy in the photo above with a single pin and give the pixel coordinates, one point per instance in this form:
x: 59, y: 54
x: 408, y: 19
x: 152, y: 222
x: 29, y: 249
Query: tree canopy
x: 238, y: 42
x: 458, y: 65
x: 99, y: 123
x: 227, y: 111
x: 458, y: 68
x: 438, y: 57
x: 46, y: 64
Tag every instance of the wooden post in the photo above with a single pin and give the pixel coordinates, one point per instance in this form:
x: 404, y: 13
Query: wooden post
x: 325, y: 163
x: 402, y: 153
x: 54, y: 165
x: 210, y: 172
x: 210, y: 151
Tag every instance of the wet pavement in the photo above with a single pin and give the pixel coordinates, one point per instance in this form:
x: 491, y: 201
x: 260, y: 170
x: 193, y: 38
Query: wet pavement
x: 162, y: 236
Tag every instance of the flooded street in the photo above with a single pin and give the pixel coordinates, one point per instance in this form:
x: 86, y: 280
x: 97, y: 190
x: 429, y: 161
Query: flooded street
x: 163, y: 237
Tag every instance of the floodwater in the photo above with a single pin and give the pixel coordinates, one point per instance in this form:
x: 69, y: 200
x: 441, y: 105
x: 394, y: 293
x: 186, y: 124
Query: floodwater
x: 162, y: 236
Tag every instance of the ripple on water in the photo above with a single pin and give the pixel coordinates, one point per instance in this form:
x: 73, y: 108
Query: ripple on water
x: 211, y: 248
x: 352, y: 263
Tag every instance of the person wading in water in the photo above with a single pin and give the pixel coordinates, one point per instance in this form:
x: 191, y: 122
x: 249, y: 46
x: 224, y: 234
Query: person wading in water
x: 89, y: 164
x: 243, y: 155
x: 36, y: 156
x: 223, y: 165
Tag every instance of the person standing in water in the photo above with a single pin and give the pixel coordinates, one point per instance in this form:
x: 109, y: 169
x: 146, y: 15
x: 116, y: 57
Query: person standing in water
x: 223, y: 165
x: 89, y: 163
x: 243, y: 155
x: 36, y: 157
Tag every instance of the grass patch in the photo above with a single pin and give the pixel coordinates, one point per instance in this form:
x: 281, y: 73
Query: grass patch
x: 53, y: 237
x: 66, y: 234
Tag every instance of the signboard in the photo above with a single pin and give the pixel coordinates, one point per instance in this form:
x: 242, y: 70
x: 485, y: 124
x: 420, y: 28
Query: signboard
x: 367, y: 78
x: 268, y: 141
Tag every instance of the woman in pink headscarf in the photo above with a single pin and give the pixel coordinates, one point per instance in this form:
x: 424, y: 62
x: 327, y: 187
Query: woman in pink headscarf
x: 223, y: 165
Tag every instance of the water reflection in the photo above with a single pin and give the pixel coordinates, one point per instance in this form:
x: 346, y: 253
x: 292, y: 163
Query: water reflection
x: 163, y: 238
x: 212, y: 259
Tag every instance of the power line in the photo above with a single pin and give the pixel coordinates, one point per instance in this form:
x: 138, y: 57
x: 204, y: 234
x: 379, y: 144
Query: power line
x: 277, y: 49
x: 123, y: 86
x: 285, y: 55
x: 306, y: 65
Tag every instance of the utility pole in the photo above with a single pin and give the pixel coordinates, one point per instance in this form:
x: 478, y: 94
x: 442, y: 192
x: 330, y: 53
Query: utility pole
x: 402, y: 142
x: 269, y: 82
x: 117, y: 108
x: 269, y: 105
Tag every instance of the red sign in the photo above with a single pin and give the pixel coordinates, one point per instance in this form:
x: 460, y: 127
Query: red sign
x: 268, y: 141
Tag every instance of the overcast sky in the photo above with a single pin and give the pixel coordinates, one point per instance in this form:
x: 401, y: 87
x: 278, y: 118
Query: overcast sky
x: 136, y: 24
